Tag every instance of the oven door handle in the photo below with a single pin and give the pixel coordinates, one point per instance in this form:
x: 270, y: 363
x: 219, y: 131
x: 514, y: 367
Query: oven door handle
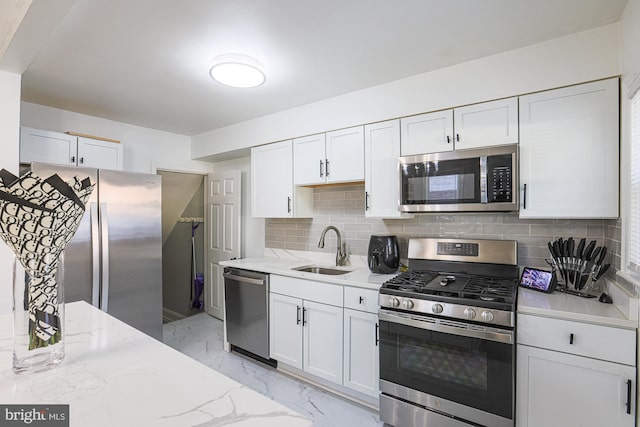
x: 491, y: 335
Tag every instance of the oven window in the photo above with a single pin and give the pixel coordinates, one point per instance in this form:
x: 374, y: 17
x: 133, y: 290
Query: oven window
x: 447, y: 181
x: 470, y: 371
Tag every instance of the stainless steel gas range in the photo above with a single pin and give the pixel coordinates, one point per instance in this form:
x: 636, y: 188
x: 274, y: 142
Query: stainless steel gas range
x: 447, y: 352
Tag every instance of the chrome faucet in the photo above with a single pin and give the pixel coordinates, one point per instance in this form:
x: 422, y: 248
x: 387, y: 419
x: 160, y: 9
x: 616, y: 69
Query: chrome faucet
x: 341, y: 254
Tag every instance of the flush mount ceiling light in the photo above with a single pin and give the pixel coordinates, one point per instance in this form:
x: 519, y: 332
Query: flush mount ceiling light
x: 237, y: 70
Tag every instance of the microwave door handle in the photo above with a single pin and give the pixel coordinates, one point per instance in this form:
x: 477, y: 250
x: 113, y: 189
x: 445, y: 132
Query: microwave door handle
x: 483, y: 180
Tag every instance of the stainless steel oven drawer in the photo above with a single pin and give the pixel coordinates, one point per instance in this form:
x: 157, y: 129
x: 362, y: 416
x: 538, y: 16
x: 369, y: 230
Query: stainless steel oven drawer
x: 402, y: 414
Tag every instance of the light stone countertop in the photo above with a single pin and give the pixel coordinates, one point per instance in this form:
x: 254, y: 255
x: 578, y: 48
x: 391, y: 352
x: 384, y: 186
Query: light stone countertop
x: 358, y: 275
x: 570, y: 307
x: 114, y: 375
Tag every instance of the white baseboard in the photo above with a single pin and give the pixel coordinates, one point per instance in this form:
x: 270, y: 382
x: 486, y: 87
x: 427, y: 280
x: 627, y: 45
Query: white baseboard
x: 170, y: 315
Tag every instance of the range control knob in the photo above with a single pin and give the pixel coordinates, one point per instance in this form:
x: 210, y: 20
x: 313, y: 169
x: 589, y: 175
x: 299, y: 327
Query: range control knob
x: 437, y: 308
x: 395, y: 302
x: 487, y: 316
x: 408, y: 304
x: 469, y: 313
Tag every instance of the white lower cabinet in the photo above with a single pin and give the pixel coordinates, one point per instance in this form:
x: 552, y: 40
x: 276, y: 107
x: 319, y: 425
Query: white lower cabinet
x: 306, y: 334
x: 557, y: 388
x: 361, y: 364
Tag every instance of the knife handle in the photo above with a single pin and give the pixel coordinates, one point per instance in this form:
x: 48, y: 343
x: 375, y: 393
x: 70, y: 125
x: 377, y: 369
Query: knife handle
x: 603, y: 253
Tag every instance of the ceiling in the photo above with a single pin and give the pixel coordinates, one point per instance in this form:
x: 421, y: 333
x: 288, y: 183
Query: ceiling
x: 145, y: 62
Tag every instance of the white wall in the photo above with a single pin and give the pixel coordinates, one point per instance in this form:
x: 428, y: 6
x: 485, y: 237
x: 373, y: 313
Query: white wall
x: 577, y: 58
x: 630, y: 43
x: 145, y: 149
x: 9, y: 140
x: 252, y: 238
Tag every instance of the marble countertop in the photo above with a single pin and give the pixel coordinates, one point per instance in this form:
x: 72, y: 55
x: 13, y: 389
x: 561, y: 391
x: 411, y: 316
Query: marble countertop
x: 114, y: 375
x: 358, y: 275
x: 570, y: 307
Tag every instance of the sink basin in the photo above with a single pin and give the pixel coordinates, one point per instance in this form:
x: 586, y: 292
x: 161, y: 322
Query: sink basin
x: 318, y: 269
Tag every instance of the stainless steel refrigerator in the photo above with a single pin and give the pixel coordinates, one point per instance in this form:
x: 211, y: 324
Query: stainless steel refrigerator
x: 115, y: 259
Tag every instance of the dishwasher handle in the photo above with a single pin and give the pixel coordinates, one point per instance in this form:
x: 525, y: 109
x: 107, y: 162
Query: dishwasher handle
x: 243, y: 279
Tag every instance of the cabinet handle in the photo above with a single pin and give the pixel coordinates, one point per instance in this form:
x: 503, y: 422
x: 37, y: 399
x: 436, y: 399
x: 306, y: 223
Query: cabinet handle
x: 571, y: 339
x: 524, y: 198
x: 288, y: 204
x: 366, y: 200
x: 81, y: 160
x: 73, y: 159
x: 457, y: 137
x: 304, y: 316
x: 628, y: 404
x: 377, y: 334
x: 448, y: 139
x: 361, y: 300
x: 326, y: 167
x: 321, y: 172
x: 297, y: 314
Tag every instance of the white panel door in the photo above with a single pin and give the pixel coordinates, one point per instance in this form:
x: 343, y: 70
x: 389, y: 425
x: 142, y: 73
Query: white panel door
x: 361, y: 371
x: 309, y: 160
x: 98, y: 154
x: 285, y: 329
x: 272, y: 180
x: 381, y: 183
x: 486, y: 124
x: 559, y: 389
x: 48, y: 147
x: 222, y: 231
x: 569, y: 142
x: 322, y: 338
x: 427, y: 133
x: 345, y: 155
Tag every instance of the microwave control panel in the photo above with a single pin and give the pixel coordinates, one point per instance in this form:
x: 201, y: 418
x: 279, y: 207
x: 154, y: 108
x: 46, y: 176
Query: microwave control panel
x: 499, y: 179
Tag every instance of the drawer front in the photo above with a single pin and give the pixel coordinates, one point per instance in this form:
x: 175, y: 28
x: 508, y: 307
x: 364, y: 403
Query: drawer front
x: 310, y: 290
x: 583, y: 339
x: 361, y: 299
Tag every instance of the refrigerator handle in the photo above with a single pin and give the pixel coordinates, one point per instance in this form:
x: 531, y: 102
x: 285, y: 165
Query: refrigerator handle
x: 104, y: 241
x: 95, y: 255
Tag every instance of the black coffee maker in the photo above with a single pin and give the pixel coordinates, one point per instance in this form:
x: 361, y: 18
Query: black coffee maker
x: 384, y: 254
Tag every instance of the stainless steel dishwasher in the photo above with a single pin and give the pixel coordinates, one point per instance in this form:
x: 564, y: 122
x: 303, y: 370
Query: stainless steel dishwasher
x: 246, y: 298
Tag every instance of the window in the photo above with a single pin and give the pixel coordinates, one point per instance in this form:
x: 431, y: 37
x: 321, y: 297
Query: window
x: 633, y: 219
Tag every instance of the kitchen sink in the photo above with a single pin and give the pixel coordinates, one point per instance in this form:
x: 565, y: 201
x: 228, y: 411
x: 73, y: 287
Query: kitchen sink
x: 318, y: 269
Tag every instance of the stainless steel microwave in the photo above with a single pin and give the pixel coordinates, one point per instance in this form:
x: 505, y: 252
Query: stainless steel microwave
x: 473, y: 180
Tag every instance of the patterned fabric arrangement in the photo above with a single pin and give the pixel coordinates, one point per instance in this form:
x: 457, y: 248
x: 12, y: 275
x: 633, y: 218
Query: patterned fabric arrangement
x: 38, y: 218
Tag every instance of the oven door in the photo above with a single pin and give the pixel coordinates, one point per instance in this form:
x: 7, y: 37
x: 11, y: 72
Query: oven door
x: 449, y: 360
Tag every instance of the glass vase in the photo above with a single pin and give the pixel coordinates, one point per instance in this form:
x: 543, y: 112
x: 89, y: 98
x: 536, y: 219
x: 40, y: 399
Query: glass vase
x: 38, y: 314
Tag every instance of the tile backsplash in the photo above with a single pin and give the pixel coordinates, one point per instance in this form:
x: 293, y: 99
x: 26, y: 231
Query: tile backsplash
x: 343, y: 207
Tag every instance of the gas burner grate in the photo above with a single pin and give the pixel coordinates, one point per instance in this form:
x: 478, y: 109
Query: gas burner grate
x: 490, y: 289
x: 412, y: 281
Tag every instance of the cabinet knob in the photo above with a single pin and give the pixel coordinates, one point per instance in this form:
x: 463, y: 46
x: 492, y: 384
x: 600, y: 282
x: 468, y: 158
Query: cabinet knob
x: 81, y: 160
x: 73, y: 159
x: 571, y: 339
x: 361, y: 300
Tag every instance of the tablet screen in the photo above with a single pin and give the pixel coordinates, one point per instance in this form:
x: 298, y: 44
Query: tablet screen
x: 539, y: 280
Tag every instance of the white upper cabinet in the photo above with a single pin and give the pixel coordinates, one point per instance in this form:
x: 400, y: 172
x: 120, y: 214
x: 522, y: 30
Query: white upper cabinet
x: 99, y: 154
x: 427, y: 133
x: 569, y: 147
x: 486, y: 124
x: 474, y: 126
x: 272, y: 191
x: 63, y: 149
x: 381, y: 152
x: 333, y: 157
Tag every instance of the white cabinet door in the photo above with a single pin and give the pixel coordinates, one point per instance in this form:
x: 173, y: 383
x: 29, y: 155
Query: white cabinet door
x: 98, y: 154
x: 323, y: 340
x: 272, y: 180
x: 486, y: 124
x: 345, y: 155
x: 285, y: 329
x: 427, y: 133
x: 309, y: 160
x: 46, y: 146
x: 569, y: 152
x: 381, y: 182
x: 558, y: 389
x: 361, y: 351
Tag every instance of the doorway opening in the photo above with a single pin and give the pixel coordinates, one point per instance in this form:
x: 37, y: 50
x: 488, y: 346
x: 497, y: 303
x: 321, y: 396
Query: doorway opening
x: 182, y: 244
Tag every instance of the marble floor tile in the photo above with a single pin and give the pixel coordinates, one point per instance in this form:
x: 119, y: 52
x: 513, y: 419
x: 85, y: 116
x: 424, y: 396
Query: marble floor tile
x: 201, y: 338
